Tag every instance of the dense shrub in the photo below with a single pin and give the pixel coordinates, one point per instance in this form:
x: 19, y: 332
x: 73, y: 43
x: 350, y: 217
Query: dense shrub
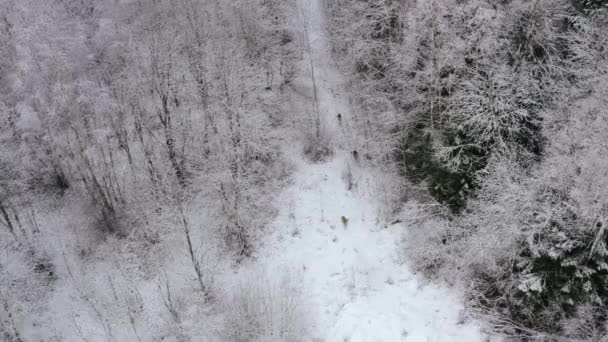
x: 466, y: 80
x: 532, y: 244
x: 593, y: 7
x: 26, y: 276
x: 490, y: 104
x: 556, y: 263
x: 317, y: 148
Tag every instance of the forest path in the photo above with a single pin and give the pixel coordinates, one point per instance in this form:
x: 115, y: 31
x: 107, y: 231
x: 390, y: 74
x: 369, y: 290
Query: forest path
x: 356, y: 286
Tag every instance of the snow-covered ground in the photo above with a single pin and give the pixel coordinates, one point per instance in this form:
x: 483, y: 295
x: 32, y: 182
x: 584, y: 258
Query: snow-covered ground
x: 356, y: 285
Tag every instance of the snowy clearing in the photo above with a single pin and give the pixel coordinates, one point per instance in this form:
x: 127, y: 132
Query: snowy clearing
x: 357, y: 286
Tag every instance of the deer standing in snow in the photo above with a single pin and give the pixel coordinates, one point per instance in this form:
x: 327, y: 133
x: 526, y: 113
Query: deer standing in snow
x: 344, y: 221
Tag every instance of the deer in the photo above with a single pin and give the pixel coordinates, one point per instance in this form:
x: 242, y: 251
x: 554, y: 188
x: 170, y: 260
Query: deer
x: 344, y: 221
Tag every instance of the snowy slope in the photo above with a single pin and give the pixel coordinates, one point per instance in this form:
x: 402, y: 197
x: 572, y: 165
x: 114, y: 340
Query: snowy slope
x: 356, y: 285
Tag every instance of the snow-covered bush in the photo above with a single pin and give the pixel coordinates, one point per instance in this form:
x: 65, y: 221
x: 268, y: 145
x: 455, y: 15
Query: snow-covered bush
x: 317, y: 148
x: 462, y: 81
x: 555, y: 262
x: 593, y: 7
x: 532, y: 32
x: 26, y: 279
x: 265, y: 306
x: 488, y: 112
x: 532, y: 245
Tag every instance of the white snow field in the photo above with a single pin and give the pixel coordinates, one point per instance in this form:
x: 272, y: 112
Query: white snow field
x: 356, y: 285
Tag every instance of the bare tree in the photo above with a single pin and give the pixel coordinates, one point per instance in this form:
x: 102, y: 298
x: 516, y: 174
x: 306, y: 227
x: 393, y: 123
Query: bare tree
x: 100, y: 179
x: 198, y: 36
x: 164, y: 89
x: 203, y: 273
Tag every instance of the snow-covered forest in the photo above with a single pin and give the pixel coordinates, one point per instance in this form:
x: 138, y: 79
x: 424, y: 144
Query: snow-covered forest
x: 303, y: 170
